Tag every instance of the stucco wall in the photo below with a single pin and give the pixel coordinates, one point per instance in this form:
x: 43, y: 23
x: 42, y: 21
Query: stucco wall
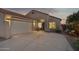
x: 2, y: 27
x: 38, y: 15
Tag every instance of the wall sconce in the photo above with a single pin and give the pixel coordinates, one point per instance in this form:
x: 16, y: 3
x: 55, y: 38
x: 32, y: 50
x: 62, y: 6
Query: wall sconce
x: 8, y: 19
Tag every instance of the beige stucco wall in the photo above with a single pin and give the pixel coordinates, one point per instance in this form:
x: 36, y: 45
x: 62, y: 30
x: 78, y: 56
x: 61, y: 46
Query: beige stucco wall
x: 4, y: 27
x: 6, y: 30
x: 2, y: 31
x: 38, y: 15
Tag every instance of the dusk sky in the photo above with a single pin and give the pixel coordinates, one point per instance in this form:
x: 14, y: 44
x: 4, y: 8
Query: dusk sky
x: 57, y: 12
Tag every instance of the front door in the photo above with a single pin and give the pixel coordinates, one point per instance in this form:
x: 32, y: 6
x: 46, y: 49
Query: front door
x: 40, y: 25
x: 37, y: 26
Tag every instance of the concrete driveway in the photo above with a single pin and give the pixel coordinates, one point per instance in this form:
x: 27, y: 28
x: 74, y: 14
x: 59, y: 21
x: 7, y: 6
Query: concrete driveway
x: 36, y: 41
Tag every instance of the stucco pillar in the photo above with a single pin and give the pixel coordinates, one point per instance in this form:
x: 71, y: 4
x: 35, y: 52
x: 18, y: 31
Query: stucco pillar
x: 46, y: 24
x: 7, y: 30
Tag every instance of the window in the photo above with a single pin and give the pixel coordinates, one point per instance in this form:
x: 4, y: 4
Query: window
x: 52, y: 25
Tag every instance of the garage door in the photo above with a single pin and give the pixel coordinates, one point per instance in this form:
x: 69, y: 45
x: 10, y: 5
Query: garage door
x: 18, y: 27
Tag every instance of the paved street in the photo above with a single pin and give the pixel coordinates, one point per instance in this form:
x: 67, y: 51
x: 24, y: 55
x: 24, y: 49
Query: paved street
x: 36, y: 41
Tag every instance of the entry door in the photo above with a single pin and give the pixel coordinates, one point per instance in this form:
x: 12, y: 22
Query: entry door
x: 20, y: 27
x: 41, y: 25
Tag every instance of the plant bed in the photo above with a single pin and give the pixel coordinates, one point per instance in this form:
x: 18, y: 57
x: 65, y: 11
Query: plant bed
x: 76, y: 45
x: 74, y: 42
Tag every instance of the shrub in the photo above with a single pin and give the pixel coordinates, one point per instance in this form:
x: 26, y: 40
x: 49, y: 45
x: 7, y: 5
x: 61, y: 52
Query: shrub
x: 58, y: 31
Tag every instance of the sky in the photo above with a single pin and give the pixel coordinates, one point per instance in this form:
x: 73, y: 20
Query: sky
x: 57, y: 12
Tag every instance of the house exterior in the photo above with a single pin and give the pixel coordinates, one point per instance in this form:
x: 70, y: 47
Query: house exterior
x: 12, y: 23
x: 43, y: 21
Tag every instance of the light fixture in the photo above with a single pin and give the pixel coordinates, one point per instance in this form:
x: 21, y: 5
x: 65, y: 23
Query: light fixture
x: 8, y: 19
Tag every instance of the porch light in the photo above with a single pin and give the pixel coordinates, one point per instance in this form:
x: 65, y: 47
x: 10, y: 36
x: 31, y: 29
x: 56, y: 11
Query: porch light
x: 8, y: 19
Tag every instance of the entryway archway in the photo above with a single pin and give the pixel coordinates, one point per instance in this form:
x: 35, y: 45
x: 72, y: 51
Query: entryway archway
x: 38, y: 25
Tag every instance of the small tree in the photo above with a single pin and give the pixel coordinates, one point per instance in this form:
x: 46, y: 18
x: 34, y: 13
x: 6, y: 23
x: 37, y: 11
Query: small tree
x: 73, y: 22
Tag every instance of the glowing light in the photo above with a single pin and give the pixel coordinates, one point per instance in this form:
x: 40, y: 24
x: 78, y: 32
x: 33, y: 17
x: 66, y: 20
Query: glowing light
x: 34, y: 23
x: 9, y: 22
x: 8, y: 19
x: 40, y: 25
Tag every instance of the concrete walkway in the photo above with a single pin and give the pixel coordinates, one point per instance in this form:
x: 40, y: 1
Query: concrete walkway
x: 36, y: 41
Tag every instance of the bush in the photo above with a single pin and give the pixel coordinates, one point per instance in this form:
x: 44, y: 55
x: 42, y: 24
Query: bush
x: 58, y: 31
x: 76, y: 45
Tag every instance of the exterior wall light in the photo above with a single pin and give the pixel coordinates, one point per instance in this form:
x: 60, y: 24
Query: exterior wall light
x: 8, y: 19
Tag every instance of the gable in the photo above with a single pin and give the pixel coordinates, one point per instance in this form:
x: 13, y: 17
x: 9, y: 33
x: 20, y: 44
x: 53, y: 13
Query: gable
x: 39, y: 15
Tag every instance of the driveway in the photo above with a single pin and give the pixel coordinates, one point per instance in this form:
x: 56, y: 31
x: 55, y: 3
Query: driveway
x: 36, y: 41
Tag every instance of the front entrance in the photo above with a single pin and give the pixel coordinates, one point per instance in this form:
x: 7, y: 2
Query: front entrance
x: 41, y: 26
x: 38, y: 25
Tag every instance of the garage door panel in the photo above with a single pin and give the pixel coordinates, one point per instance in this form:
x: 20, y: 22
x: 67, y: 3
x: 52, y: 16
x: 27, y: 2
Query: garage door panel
x: 21, y: 27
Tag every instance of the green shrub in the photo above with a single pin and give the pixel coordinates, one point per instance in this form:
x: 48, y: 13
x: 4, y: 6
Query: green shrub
x: 58, y: 31
x: 76, y: 44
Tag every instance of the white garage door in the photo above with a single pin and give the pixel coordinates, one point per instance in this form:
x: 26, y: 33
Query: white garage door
x: 20, y: 27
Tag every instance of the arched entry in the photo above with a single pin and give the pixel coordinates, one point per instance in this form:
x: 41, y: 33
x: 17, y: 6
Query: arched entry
x: 38, y: 25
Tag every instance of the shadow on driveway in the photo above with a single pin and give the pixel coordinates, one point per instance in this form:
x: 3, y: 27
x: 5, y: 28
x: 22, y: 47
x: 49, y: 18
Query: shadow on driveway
x: 2, y: 39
